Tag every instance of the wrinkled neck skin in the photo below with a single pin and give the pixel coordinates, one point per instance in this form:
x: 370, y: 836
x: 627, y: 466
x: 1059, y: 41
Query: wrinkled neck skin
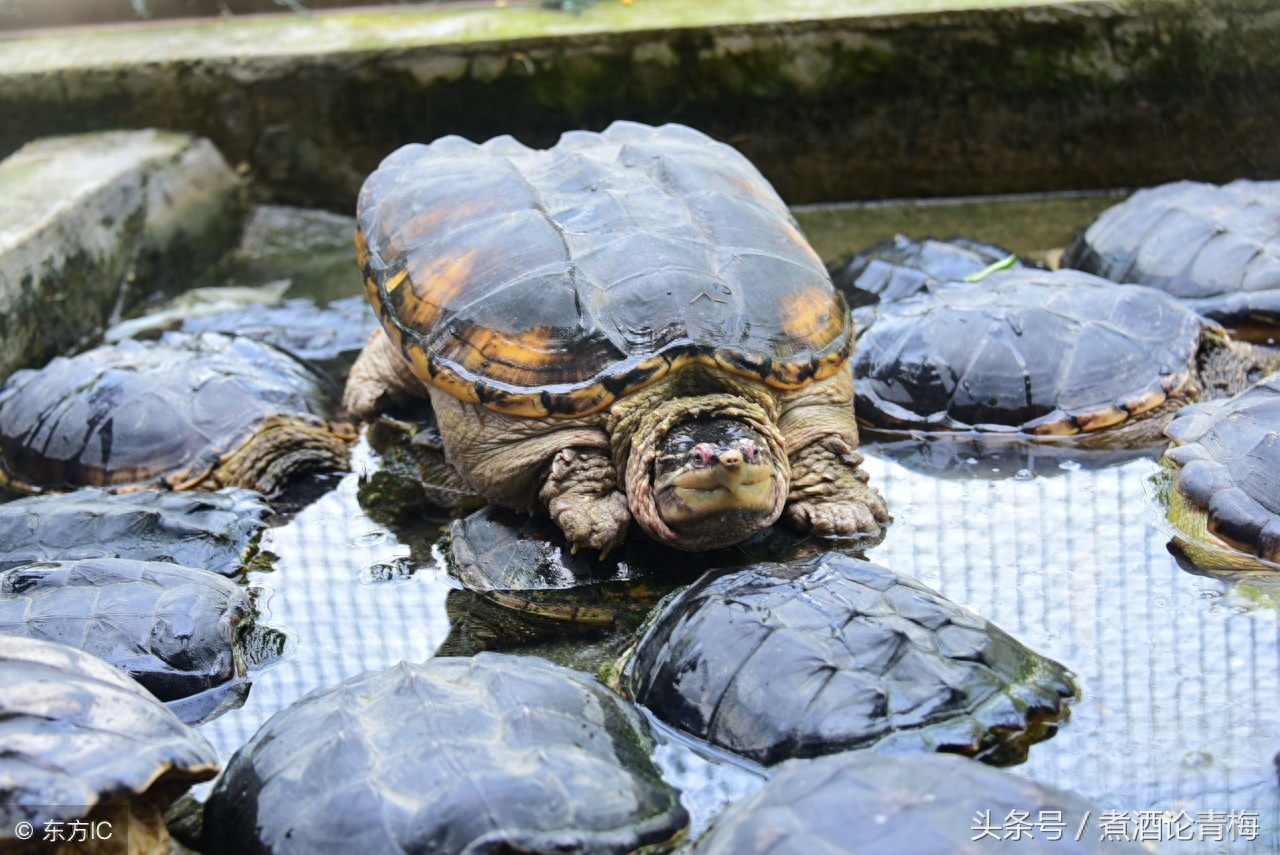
x: 637, y: 423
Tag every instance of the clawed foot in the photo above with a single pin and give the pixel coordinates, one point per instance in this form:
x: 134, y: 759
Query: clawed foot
x: 591, y: 520
x: 848, y: 517
x: 829, y: 493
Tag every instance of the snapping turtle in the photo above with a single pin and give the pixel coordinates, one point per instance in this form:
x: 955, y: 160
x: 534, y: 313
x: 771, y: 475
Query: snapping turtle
x: 1217, y: 249
x: 1044, y: 356
x: 489, y: 754
x: 830, y: 653
x: 82, y: 741
x: 930, y: 804
x: 183, y: 412
x: 215, y: 531
x: 330, y: 336
x: 626, y: 325
x: 173, y: 629
x: 1223, y: 495
x: 900, y: 267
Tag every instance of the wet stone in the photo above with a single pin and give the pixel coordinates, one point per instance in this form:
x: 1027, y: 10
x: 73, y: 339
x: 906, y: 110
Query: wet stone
x: 173, y: 629
x: 95, y: 222
x: 214, y: 531
x: 83, y: 740
x: 926, y: 805
x: 488, y: 754
x: 830, y: 653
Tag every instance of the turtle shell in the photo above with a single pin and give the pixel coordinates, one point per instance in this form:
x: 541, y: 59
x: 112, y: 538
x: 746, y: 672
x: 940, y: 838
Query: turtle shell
x: 925, y: 805
x: 831, y: 653
x: 165, y: 412
x: 215, y: 531
x: 1037, y: 352
x: 171, y: 628
x: 1215, y: 248
x: 79, y: 733
x: 1225, y: 497
x: 900, y: 267
x: 492, y: 753
x: 551, y: 282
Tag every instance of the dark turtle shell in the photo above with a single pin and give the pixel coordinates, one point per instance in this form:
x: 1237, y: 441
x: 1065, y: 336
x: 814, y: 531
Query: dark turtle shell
x: 931, y: 804
x: 172, y: 628
x: 78, y: 733
x: 215, y: 531
x: 1225, y: 496
x: 552, y: 282
x: 1215, y: 248
x: 493, y: 753
x: 900, y: 267
x: 165, y: 412
x: 1036, y: 352
x: 826, y: 654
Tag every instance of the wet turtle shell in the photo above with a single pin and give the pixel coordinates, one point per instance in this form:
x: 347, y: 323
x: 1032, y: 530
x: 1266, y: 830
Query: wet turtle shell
x: 493, y: 753
x: 183, y: 412
x: 931, y: 804
x: 830, y: 653
x: 1216, y: 248
x: 215, y: 531
x: 331, y: 336
x: 82, y: 740
x: 1224, y: 498
x: 552, y: 282
x: 900, y: 267
x: 172, y: 628
x: 1040, y: 353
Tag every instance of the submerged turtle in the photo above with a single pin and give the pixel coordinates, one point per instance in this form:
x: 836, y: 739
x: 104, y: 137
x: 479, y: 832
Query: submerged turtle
x: 173, y: 629
x: 931, y: 804
x: 830, y: 653
x: 1215, y: 248
x: 82, y: 741
x: 184, y: 412
x: 900, y: 267
x: 215, y: 531
x: 1045, y: 356
x: 1224, y: 494
x: 627, y: 325
x: 489, y: 754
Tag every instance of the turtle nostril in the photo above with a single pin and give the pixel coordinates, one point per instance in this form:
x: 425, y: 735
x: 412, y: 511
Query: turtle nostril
x: 731, y: 460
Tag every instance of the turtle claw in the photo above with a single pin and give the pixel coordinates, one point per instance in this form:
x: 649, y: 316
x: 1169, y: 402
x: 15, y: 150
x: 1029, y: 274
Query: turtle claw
x: 592, y: 520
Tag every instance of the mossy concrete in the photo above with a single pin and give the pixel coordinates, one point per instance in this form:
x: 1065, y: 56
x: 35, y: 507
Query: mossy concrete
x: 832, y: 99
x: 90, y: 224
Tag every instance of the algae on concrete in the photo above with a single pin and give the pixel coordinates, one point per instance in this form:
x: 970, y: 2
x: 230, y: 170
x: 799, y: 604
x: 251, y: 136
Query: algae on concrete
x: 833, y: 99
x: 90, y: 224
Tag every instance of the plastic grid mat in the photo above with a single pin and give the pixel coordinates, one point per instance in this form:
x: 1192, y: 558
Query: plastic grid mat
x: 1180, y: 674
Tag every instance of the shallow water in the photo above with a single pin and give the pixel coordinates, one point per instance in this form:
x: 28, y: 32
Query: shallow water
x: 1180, y: 673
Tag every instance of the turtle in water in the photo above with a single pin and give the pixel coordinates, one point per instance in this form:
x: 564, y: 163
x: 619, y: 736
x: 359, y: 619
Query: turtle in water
x: 184, y: 412
x: 84, y: 742
x: 900, y: 267
x: 778, y: 660
x: 216, y: 531
x: 626, y: 325
x: 1215, y: 248
x: 487, y: 754
x: 1046, y: 356
x: 1222, y: 481
x: 930, y: 804
x: 174, y: 629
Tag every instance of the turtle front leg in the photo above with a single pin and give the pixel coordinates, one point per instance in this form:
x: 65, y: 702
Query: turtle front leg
x: 581, y: 495
x: 380, y: 376
x: 829, y: 494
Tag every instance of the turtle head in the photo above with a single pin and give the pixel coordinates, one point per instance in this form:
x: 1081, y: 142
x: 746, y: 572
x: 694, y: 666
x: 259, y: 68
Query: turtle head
x: 715, y: 482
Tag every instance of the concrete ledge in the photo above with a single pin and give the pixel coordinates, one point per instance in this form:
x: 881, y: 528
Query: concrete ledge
x: 833, y: 99
x: 91, y: 224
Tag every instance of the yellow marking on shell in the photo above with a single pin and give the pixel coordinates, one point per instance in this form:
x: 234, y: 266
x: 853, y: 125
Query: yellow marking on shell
x: 1100, y: 419
x: 1061, y: 426
x: 435, y: 285
x: 811, y: 315
x: 396, y: 281
x: 1144, y: 401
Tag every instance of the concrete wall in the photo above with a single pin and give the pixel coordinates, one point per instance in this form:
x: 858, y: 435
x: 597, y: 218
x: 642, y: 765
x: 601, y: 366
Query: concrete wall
x: 843, y: 99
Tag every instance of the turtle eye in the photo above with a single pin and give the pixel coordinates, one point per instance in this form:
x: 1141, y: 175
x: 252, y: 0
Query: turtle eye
x: 750, y: 451
x: 701, y: 455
